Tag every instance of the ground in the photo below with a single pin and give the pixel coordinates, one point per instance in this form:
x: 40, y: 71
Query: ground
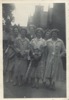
x: 26, y: 91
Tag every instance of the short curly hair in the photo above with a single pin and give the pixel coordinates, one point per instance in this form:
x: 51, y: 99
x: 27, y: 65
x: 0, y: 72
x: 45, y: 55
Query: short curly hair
x: 54, y: 30
x: 24, y: 30
x: 38, y: 30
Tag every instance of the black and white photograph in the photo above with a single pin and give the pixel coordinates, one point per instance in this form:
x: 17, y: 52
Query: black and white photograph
x: 34, y: 50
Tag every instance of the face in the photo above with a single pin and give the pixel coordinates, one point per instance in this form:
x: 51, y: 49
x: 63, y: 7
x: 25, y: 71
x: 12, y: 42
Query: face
x: 32, y: 29
x: 16, y: 31
x: 38, y: 34
x: 54, y: 35
x: 23, y: 33
x: 47, y: 36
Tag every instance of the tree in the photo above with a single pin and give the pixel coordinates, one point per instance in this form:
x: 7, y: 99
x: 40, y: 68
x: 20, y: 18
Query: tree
x: 7, y: 15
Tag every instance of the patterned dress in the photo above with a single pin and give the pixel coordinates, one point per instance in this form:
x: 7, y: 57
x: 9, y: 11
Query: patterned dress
x: 22, y: 49
x: 37, y: 67
x: 54, y: 66
x: 10, y: 57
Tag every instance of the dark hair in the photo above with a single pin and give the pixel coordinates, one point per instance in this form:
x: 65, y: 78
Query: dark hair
x: 54, y: 30
x: 33, y: 26
x: 38, y: 30
x: 23, y: 29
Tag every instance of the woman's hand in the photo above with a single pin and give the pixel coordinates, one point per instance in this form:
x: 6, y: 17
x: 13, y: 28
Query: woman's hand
x: 62, y: 54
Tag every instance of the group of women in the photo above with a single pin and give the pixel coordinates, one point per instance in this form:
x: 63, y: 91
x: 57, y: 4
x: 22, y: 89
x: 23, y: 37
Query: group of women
x: 36, y: 61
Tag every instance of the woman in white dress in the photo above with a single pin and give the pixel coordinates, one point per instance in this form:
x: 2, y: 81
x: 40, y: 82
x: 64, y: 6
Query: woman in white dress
x: 22, y: 48
x: 37, y: 66
x: 47, y: 36
x: 54, y: 67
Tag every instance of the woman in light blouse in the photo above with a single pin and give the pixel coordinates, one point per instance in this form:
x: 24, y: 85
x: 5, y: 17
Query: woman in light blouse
x: 54, y: 67
x: 37, y: 49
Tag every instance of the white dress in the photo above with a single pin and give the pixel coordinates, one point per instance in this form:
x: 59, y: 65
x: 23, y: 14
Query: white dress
x: 38, y: 72
x: 21, y: 45
x: 54, y: 66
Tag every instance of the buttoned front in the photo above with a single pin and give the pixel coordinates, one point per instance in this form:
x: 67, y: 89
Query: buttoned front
x: 54, y: 67
x: 22, y: 46
x: 37, y: 43
x: 37, y: 46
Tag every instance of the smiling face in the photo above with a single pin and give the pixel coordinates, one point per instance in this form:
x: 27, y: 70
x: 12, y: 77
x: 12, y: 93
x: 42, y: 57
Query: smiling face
x: 16, y: 32
x: 47, y: 35
x: 54, y: 35
x: 32, y: 30
x: 38, y: 34
x: 23, y: 33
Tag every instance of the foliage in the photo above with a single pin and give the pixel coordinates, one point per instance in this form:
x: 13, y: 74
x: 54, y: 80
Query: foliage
x: 7, y: 15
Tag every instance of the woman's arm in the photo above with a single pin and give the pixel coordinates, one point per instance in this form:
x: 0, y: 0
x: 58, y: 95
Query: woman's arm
x: 63, y: 51
x: 17, y: 46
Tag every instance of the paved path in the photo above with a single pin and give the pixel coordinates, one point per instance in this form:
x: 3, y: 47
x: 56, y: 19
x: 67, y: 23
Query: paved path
x: 11, y: 91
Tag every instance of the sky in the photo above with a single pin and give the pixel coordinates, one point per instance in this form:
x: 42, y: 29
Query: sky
x: 23, y: 11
